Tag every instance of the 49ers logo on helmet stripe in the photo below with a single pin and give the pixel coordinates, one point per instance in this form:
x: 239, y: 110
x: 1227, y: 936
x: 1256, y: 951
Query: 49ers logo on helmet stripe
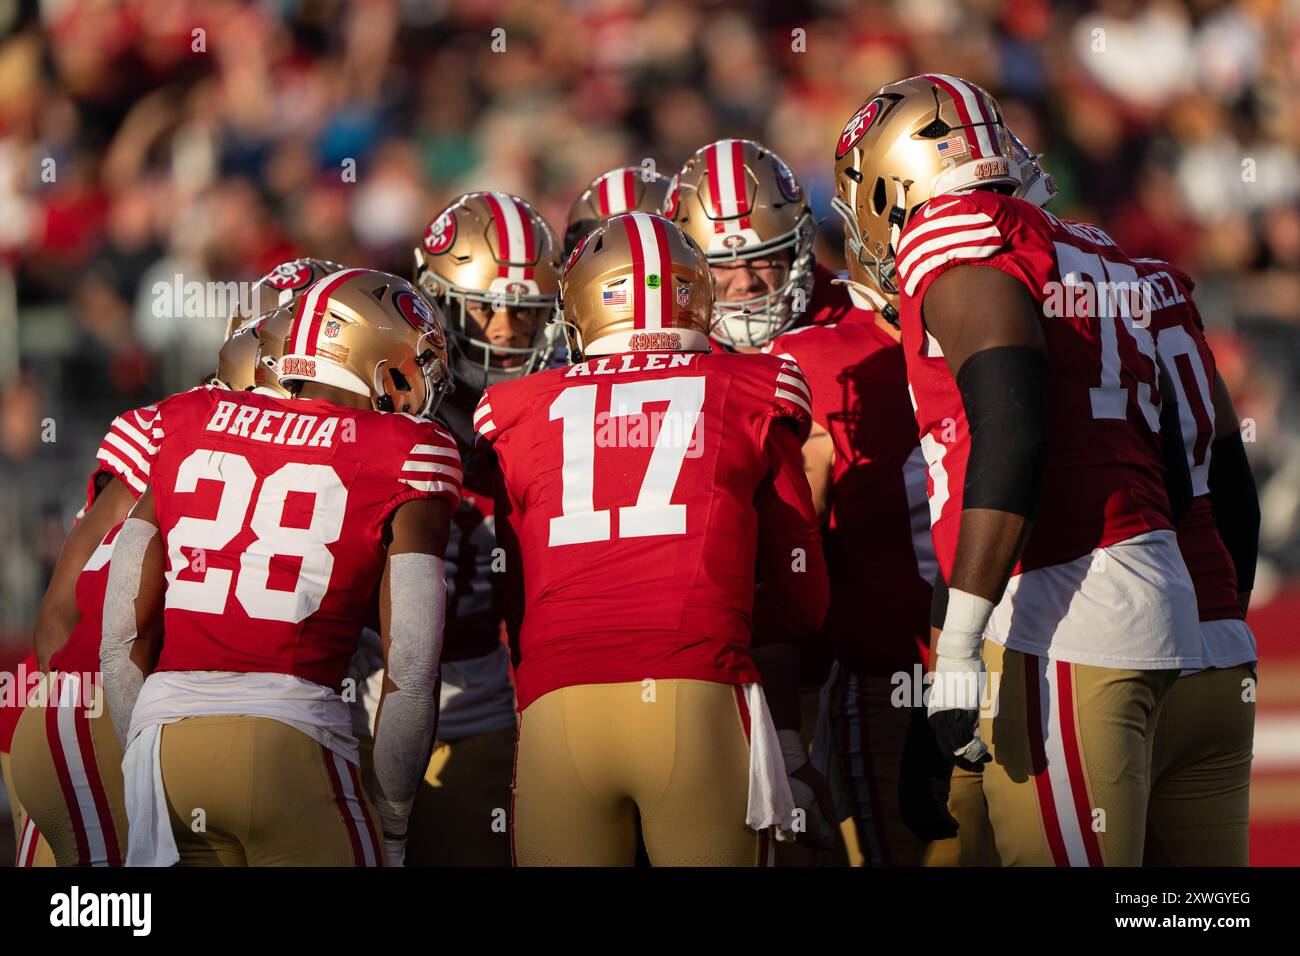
x: 288, y: 275
x: 857, y: 127
x: 414, y: 310
x: 440, y: 234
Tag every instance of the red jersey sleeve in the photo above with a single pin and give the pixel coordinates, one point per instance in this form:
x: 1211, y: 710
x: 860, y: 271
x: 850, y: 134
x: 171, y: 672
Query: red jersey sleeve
x: 947, y: 231
x: 126, y: 452
x: 785, y: 392
x: 431, y: 464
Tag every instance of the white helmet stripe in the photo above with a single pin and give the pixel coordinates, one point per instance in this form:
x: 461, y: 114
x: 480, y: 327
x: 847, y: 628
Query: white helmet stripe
x: 645, y: 227
x: 615, y: 192
x: 722, y: 164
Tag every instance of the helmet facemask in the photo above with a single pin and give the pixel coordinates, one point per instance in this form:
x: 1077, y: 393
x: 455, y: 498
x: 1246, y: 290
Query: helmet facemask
x: 755, y: 321
x: 476, y: 362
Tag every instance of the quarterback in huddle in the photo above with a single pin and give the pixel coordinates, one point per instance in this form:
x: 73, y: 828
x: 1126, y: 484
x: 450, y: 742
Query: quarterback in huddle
x: 617, y: 548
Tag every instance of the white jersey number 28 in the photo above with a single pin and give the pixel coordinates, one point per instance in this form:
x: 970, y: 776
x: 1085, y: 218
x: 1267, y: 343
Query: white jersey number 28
x: 202, y: 536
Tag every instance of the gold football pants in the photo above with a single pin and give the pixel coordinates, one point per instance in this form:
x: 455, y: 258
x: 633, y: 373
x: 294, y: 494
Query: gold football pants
x: 590, y: 756
x: 1072, y: 748
x: 1200, y: 795
x: 67, y: 768
x: 251, y: 791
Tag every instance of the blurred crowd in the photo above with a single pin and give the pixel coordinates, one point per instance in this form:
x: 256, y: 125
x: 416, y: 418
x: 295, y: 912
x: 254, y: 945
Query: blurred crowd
x: 149, y: 140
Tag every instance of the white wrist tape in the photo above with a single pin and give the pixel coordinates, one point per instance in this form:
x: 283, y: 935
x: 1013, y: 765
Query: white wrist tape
x: 122, y: 679
x: 963, y: 625
x: 417, y: 587
x: 792, y: 749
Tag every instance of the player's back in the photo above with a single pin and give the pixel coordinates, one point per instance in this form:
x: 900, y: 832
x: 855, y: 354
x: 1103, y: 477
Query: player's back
x: 272, y: 513
x: 631, y: 483
x: 1103, y: 478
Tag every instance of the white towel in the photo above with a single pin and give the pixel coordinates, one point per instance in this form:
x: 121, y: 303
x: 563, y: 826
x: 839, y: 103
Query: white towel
x: 149, y: 831
x: 770, y: 801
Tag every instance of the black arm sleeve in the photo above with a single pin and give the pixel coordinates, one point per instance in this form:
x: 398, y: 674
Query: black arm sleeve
x: 1004, y: 391
x: 1235, y: 503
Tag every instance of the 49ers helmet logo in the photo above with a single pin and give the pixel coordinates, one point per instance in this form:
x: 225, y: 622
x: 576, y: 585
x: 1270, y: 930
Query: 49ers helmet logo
x: 288, y: 275
x: 857, y: 127
x: 415, y: 310
x: 440, y: 234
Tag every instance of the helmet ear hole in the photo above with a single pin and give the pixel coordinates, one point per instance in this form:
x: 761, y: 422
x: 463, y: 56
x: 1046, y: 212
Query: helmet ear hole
x: 400, y: 382
x: 879, y: 196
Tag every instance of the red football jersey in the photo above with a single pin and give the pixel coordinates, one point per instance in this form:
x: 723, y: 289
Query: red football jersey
x: 1103, y: 480
x: 879, y: 555
x: 635, y: 485
x: 126, y: 453
x: 272, y: 514
x: 1175, y: 324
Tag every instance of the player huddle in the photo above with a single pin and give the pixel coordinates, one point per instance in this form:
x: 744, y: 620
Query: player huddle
x: 670, y: 540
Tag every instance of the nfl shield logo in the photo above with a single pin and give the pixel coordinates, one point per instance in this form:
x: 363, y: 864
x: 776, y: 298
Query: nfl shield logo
x: 331, y: 329
x: 683, y: 295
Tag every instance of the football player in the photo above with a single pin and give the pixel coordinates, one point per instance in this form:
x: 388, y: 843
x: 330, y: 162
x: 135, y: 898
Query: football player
x: 868, y: 485
x: 492, y: 260
x: 67, y: 757
x: 1200, y: 793
x: 273, y: 530
x: 1062, y: 554
x: 746, y: 209
x: 626, y: 189
x: 641, y: 488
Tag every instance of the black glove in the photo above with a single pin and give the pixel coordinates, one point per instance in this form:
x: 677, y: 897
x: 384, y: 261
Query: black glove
x: 924, y: 780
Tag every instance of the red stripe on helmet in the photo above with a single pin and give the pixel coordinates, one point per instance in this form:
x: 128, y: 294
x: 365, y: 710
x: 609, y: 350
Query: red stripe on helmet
x: 638, y: 271
x: 629, y: 188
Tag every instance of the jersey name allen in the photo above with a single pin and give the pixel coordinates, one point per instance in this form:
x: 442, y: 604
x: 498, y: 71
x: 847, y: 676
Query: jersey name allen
x: 629, y: 362
x: 273, y: 426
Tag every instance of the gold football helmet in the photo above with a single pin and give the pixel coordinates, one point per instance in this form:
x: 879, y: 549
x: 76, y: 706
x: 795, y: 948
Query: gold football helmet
x: 370, y: 333
x: 636, y: 283
x: 278, y: 288
x: 489, y: 251
x: 236, y: 360
x: 626, y: 189
x: 912, y: 140
x: 738, y: 200
x: 272, y: 331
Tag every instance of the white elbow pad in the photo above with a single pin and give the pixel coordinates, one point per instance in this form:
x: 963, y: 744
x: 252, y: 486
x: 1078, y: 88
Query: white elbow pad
x: 122, y: 679
x: 417, y: 588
